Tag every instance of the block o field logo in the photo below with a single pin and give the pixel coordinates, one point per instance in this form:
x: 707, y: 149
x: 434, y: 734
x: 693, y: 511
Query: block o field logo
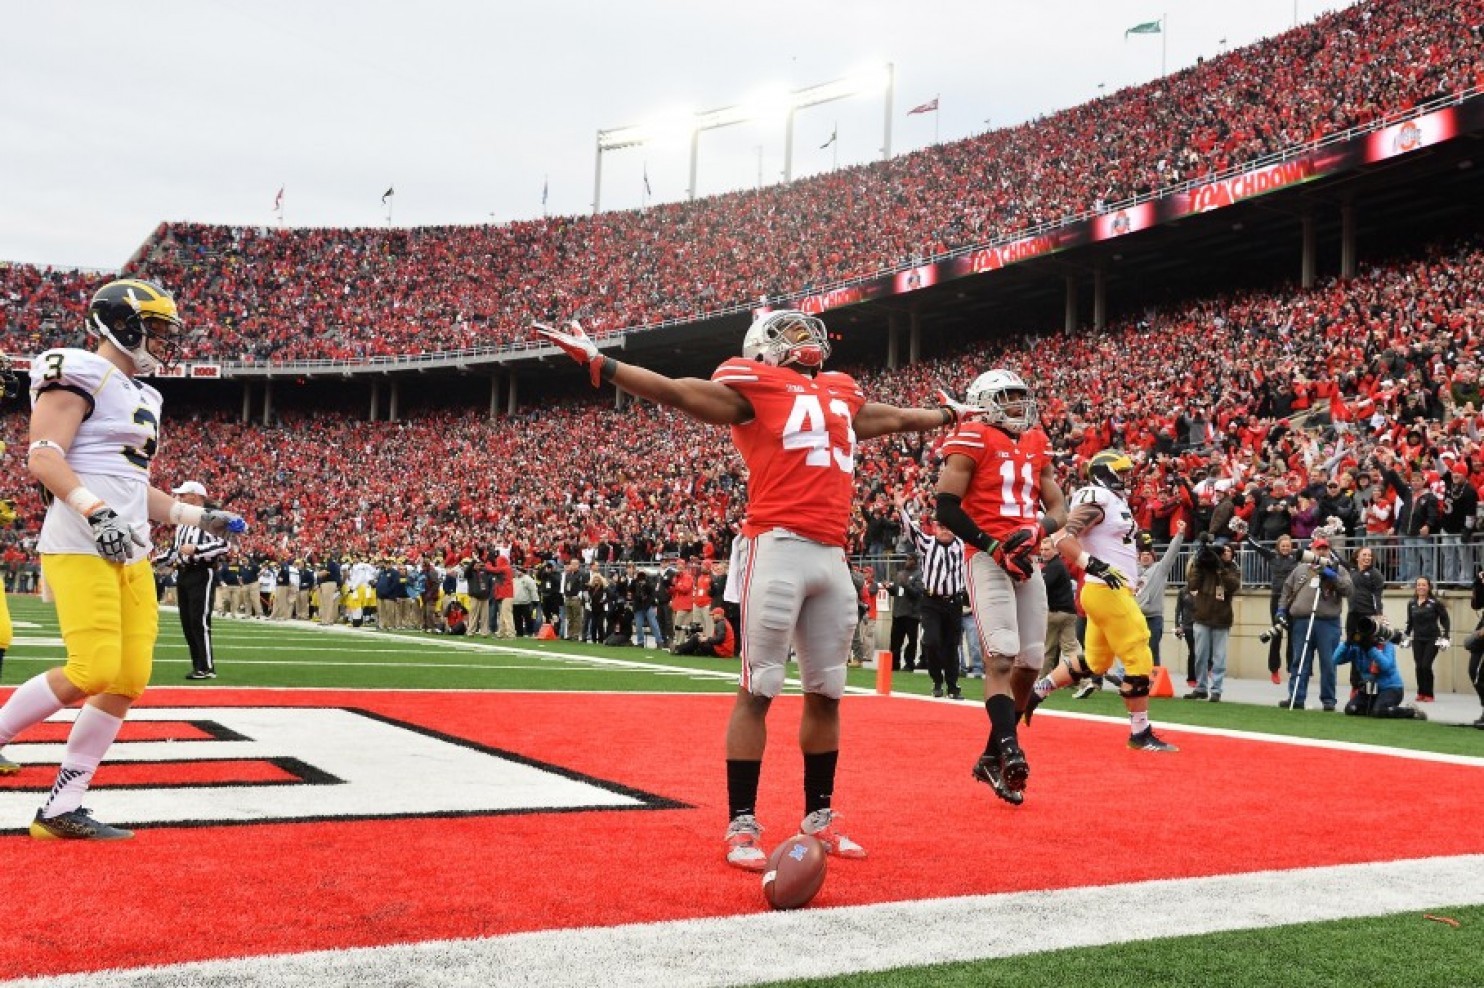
x: 196, y: 766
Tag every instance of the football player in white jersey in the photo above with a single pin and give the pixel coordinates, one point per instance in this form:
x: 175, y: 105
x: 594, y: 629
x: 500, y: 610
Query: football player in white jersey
x: 1099, y: 537
x: 7, y: 518
x: 94, y: 431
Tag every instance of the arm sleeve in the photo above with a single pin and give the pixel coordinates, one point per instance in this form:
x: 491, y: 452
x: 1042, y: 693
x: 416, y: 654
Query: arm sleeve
x: 950, y: 513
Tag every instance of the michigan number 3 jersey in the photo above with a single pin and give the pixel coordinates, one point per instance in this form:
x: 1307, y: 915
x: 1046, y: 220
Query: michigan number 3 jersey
x: 1111, y: 537
x: 112, y: 450
x: 799, y: 448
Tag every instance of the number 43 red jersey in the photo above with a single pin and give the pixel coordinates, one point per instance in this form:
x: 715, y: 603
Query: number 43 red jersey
x: 799, y: 448
x: 1005, y: 494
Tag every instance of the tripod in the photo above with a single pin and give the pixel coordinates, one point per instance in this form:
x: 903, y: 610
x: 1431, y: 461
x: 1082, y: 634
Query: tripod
x: 1298, y: 673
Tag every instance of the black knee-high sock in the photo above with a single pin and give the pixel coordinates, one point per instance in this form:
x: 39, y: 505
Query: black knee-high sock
x: 1001, y: 710
x: 742, y: 781
x: 819, y: 780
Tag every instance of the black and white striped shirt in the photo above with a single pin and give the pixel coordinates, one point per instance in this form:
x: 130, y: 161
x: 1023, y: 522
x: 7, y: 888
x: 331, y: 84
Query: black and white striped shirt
x: 942, y: 564
x: 209, y: 548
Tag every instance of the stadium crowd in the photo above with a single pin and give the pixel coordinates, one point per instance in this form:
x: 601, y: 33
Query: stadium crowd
x: 1343, y: 401
x: 274, y: 294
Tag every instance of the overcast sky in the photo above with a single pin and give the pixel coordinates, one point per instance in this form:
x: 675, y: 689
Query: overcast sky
x: 116, y: 116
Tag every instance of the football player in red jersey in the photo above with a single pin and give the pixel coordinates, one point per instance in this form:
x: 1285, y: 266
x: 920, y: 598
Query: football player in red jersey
x: 998, y: 492
x: 796, y: 426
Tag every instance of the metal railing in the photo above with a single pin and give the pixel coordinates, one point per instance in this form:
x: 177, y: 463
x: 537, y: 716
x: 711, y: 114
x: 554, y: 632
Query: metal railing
x: 1449, y: 563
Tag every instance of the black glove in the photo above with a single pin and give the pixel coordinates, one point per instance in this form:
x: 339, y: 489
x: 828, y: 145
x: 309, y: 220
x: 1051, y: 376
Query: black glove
x: 1014, y: 554
x: 1109, y: 574
x: 112, y: 535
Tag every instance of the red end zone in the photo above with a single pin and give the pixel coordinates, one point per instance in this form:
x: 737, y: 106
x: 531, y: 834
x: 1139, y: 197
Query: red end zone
x: 1096, y: 814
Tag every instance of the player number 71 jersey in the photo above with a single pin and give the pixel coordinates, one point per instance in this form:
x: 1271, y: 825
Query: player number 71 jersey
x: 1111, y: 537
x: 799, y: 448
x: 1005, y: 494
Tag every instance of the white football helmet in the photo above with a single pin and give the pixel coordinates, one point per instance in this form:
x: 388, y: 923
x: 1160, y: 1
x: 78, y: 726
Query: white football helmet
x: 787, y: 336
x: 1005, y: 399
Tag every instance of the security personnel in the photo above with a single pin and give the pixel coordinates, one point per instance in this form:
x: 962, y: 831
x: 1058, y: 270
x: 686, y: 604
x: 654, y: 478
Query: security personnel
x: 195, y: 555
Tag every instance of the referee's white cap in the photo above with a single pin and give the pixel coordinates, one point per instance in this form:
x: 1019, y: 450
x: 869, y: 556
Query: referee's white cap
x: 191, y: 487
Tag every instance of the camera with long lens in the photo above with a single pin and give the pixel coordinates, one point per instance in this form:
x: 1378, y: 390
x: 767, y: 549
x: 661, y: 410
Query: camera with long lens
x: 1207, y: 555
x: 687, y: 636
x: 1276, y: 631
x: 1383, y: 634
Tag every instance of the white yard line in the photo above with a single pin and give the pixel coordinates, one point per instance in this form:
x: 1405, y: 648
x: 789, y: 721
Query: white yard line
x: 820, y: 943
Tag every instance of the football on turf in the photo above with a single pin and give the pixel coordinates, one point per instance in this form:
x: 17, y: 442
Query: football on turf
x: 795, y: 872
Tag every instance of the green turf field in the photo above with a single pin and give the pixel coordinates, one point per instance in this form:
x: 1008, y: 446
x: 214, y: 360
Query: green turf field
x: 1402, y: 950
x: 1396, y: 952
x: 263, y: 653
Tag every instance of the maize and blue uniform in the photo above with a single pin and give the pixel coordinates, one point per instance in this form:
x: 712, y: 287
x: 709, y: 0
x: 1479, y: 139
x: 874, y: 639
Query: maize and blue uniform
x: 107, y: 611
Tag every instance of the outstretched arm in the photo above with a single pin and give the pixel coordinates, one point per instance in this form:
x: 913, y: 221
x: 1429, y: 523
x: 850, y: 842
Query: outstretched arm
x: 875, y: 419
x: 704, y: 401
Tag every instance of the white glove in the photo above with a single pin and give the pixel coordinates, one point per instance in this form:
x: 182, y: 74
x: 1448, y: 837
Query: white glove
x: 959, y: 409
x: 112, y: 535
x: 1444, y: 644
x: 577, y: 345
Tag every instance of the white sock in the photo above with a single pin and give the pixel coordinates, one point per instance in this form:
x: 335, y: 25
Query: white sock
x: 1138, y: 722
x: 1044, y: 687
x: 89, y: 741
x: 32, y: 702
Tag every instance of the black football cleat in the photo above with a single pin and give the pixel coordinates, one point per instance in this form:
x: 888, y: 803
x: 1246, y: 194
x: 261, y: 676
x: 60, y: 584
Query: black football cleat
x: 987, y: 771
x: 1006, y: 773
x: 1014, y: 769
x: 1031, y: 703
x: 1147, y: 740
x: 76, y: 825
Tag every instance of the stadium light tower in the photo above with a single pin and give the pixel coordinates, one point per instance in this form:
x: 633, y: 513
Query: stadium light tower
x: 869, y: 82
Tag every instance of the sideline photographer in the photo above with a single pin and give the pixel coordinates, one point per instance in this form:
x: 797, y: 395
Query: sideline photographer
x: 1309, y: 608
x: 1282, y: 561
x: 1381, y: 691
x: 1213, y: 580
x: 721, y: 644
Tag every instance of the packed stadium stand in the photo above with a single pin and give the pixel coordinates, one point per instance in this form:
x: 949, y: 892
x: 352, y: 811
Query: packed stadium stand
x: 272, y: 294
x: 1389, y: 356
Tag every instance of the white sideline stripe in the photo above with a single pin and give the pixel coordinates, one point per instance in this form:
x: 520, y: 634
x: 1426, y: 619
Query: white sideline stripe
x: 706, y: 953
x: 709, y: 674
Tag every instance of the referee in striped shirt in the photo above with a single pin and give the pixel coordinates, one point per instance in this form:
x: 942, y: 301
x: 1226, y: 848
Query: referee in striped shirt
x: 194, y: 556
x: 941, y: 557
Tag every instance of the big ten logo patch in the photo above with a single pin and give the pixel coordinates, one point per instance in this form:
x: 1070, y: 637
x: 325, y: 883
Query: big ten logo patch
x: 201, y: 766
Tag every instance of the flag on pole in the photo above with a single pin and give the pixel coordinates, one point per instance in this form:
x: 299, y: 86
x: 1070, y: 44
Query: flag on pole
x: 646, y: 181
x: 931, y: 106
x: 278, y: 199
x: 834, y: 134
x: 1148, y: 27
x: 390, y: 191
